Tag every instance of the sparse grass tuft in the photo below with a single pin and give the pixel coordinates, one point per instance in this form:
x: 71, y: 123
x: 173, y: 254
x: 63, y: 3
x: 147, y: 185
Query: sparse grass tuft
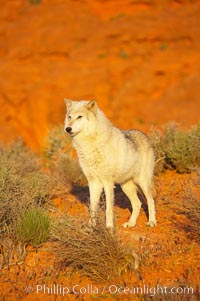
x: 96, y: 252
x: 177, y: 149
x: 34, y: 226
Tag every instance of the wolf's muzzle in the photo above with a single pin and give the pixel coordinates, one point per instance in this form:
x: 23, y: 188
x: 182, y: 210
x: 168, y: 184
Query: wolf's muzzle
x: 68, y: 129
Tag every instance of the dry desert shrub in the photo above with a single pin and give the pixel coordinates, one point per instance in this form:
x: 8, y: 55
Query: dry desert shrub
x: 60, y: 159
x: 96, y: 252
x: 23, y: 185
x: 192, y: 204
x: 176, y: 149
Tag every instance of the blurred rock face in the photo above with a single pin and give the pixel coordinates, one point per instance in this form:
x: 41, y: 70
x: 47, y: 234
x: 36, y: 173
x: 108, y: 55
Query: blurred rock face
x: 140, y: 61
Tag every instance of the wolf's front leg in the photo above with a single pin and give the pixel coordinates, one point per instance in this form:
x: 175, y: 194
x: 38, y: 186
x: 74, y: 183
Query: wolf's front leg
x: 109, y: 191
x: 95, y: 188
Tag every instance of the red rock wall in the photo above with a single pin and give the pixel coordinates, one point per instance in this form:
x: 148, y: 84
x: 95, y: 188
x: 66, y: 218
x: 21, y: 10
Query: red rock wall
x: 141, y: 61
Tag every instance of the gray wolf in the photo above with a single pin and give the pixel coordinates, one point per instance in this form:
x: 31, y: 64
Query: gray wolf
x: 109, y: 156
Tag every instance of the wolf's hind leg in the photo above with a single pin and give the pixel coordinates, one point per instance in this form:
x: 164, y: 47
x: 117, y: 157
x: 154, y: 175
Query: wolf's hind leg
x: 151, y: 208
x: 146, y: 188
x: 130, y: 190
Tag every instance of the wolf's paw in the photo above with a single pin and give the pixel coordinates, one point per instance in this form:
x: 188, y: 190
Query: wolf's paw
x: 128, y: 225
x: 151, y: 224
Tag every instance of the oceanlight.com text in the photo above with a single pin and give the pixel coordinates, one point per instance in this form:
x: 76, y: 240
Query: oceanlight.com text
x: 109, y: 289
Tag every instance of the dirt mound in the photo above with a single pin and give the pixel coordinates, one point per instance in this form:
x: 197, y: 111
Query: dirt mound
x: 140, y: 60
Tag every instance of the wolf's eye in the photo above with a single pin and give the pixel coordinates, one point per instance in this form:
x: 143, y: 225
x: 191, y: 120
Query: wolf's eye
x: 79, y: 117
x: 69, y: 117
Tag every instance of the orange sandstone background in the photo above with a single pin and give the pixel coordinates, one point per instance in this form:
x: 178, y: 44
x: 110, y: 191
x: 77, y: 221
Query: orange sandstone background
x: 139, y: 59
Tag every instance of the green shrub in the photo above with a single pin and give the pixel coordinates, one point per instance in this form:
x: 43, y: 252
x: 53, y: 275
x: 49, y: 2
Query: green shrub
x: 34, y: 226
x: 177, y: 149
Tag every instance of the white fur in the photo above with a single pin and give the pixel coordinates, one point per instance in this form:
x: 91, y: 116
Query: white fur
x: 107, y: 156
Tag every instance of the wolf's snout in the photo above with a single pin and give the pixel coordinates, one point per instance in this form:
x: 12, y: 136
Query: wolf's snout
x: 68, y: 129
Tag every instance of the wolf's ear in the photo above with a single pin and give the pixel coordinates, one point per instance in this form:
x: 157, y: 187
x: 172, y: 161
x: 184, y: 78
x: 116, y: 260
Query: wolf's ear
x: 92, y: 106
x: 68, y: 102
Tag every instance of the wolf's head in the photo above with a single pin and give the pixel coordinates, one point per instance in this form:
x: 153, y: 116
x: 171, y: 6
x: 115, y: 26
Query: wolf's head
x: 80, y: 117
